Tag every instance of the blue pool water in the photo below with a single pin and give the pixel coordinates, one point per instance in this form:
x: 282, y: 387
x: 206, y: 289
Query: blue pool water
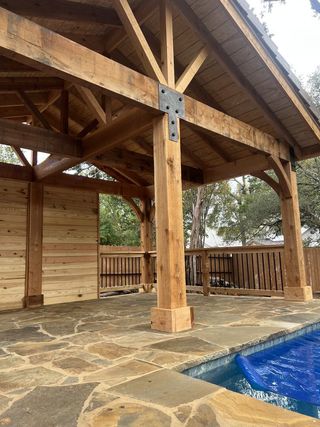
x: 286, y: 374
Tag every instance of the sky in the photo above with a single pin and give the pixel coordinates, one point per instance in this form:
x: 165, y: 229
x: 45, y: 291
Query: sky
x: 296, y: 32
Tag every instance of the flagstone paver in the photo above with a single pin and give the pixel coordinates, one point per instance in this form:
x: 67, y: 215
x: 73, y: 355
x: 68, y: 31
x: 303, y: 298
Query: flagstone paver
x: 99, y: 364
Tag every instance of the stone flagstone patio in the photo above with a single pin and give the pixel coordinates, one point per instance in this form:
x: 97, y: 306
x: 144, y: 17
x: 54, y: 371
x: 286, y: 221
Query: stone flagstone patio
x: 98, y: 363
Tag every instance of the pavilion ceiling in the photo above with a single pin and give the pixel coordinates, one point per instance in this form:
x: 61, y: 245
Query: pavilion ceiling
x: 234, y: 79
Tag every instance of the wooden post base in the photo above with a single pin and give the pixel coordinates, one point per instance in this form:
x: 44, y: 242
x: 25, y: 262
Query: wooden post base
x: 172, y: 320
x: 298, y: 293
x: 33, y: 301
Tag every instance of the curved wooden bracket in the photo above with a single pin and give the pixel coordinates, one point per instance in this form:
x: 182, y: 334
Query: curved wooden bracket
x: 269, y: 180
x: 284, y: 182
x: 134, y: 207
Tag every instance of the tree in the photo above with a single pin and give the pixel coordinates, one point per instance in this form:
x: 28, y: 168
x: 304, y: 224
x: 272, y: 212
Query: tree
x: 254, y: 212
x: 202, y: 209
x: 119, y: 225
x: 7, y: 155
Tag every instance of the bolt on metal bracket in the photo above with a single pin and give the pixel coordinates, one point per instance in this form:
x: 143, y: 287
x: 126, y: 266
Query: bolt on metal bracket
x: 172, y: 103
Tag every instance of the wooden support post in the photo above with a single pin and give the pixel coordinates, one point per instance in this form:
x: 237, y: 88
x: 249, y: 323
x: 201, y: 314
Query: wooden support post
x: 33, y: 294
x: 146, y: 245
x: 205, y: 273
x: 172, y: 313
x: 296, y: 288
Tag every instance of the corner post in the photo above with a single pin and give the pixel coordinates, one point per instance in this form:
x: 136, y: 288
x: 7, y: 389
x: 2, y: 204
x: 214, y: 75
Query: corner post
x: 33, y: 294
x: 146, y: 244
x: 296, y: 288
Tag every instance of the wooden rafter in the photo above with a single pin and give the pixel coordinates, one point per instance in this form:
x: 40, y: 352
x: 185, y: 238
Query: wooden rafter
x: 93, y: 104
x: 143, y: 12
x: 33, y: 109
x: 204, y: 34
x: 138, y: 39
x: 191, y: 70
x: 279, y: 75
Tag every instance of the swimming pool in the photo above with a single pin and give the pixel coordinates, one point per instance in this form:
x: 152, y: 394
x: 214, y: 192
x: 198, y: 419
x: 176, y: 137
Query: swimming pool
x: 286, y: 374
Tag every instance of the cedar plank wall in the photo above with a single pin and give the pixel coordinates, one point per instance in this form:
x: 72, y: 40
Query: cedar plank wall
x: 13, y: 231
x: 70, y: 250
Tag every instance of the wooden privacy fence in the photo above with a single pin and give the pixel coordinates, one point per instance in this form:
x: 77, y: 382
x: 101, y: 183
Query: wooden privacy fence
x: 253, y: 270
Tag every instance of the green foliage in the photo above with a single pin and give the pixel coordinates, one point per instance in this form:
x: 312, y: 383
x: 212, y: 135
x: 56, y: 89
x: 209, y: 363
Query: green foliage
x: 253, y: 212
x: 7, y: 155
x: 119, y: 225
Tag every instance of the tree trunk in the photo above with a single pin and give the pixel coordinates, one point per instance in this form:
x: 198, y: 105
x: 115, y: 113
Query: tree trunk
x: 196, y: 220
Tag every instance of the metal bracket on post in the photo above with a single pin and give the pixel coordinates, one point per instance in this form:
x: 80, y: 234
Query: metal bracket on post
x: 172, y: 103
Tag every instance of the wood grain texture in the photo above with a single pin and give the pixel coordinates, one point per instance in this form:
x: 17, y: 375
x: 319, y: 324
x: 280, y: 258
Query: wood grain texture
x: 13, y: 233
x: 70, y: 233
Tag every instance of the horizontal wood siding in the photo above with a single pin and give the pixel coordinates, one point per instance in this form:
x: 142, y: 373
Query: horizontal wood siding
x: 70, y: 251
x: 13, y: 231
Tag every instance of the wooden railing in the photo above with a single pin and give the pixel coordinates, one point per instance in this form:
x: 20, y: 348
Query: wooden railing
x: 255, y: 270
x: 120, y: 269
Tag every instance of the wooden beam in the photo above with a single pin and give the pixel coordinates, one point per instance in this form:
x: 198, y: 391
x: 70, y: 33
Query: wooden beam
x: 91, y: 126
x: 214, y: 121
x: 38, y: 139
x: 130, y: 160
x: 121, y: 129
x: 63, y: 11
x: 9, y: 171
x: 138, y: 39
x: 33, y: 295
x: 191, y: 70
x: 166, y: 42
x: 37, y: 46
x: 244, y: 166
x: 96, y: 185
x: 226, y: 62
x: 24, y: 40
x: 33, y: 109
x: 93, y: 104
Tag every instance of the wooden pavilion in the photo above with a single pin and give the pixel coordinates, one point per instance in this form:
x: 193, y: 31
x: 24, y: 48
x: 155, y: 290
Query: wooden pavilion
x: 159, y: 94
